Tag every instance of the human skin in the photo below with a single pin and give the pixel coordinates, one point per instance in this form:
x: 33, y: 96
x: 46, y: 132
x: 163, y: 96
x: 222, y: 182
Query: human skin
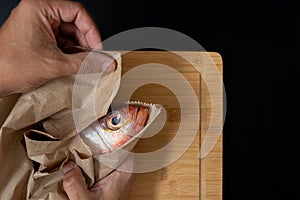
x: 32, y: 41
x: 116, y: 186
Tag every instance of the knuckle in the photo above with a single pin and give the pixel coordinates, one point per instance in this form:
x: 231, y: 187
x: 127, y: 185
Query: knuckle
x: 23, y: 5
x: 79, y: 5
x: 30, y: 2
x: 70, y: 183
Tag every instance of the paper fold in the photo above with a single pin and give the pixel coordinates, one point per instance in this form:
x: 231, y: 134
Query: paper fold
x: 40, y: 129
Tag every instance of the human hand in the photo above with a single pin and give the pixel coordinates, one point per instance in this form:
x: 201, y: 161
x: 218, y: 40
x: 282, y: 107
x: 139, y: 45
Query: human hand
x: 115, y: 186
x: 32, y: 40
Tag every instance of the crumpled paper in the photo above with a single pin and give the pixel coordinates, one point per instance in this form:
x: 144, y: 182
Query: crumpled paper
x: 39, y: 133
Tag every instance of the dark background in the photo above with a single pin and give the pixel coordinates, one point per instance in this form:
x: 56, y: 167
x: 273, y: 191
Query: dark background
x: 259, y: 44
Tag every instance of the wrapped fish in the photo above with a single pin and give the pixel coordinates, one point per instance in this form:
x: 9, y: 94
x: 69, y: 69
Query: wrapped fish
x: 116, y: 128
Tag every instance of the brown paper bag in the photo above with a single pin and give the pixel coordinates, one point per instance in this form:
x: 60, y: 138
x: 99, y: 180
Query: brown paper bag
x: 31, y: 161
x: 38, y: 135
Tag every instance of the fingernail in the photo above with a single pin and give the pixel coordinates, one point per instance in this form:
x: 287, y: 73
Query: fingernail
x: 68, y: 166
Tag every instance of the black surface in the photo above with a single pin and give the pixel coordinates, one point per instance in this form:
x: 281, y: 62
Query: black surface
x: 259, y: 44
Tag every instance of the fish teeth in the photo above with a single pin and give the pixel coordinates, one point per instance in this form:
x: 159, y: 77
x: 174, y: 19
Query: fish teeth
x: 140, y: 102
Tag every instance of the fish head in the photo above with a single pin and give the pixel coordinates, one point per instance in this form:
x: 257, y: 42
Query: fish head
x: 115, y: 128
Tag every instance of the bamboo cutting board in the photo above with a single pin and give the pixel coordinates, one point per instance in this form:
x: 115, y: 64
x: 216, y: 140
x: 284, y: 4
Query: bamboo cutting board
x: 188, y: 177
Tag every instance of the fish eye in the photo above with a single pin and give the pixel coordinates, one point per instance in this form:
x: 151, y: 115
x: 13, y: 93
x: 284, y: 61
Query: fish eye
x: 114, y: 121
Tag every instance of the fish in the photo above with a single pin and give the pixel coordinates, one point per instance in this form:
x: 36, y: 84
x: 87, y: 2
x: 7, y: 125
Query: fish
x: 115, y: 128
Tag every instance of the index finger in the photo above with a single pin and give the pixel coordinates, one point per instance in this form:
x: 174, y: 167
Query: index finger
x: 70, y: 11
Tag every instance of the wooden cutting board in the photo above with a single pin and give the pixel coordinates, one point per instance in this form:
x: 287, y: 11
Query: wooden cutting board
x: 189, y: 177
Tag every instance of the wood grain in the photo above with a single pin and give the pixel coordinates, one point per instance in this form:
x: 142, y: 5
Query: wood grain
x: 188, y: 177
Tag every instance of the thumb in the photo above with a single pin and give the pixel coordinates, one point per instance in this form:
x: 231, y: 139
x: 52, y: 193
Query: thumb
x: 74, y: 182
